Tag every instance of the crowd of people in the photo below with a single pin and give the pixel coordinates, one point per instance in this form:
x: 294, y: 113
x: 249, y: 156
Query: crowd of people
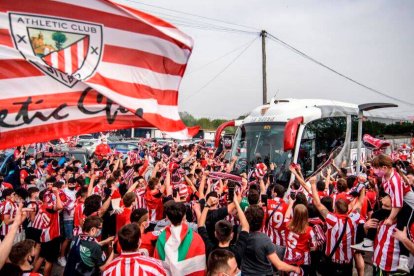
x: 158, y: 211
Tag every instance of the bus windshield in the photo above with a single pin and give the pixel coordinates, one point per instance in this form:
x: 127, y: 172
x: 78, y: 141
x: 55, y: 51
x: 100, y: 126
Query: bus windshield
x: 262, y: 142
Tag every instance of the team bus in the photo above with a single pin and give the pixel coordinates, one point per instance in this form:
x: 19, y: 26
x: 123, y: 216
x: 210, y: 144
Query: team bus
x: 308, y: 132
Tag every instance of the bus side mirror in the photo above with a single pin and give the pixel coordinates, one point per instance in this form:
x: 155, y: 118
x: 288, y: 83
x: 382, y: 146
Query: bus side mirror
x: 291, y: 131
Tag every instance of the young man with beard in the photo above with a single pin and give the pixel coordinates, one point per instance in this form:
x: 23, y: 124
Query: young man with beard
x: 68, y: 212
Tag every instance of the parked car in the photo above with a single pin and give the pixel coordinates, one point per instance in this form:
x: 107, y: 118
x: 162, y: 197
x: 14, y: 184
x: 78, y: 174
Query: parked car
x: 123, y: 147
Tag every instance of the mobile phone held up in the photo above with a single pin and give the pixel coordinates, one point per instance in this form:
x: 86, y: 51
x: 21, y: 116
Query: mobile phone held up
x: 263, y: 199
x: 230, y: 195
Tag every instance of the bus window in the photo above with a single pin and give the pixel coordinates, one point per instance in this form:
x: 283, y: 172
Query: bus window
x: 319, y: 139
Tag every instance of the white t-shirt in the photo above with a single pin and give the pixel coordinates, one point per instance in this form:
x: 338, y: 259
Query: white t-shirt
x: 69, y: 207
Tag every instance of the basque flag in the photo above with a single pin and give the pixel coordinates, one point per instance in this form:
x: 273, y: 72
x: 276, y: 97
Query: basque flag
x: 82, y: 66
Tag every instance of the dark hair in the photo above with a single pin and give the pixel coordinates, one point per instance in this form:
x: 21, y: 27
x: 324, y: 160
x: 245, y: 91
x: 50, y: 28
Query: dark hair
x: 175, y: 212
x: 350, y: 180
x: 110, y: 181
x: 300, y: 199
x: 32, y: 190
x: 341, y: 185
x: 254, y: 215
x: 320, y: 185
x: 129, y: 198
x: 253, y: 197
x: 20, y: 250
x: 90, y: 222
x: 279, y: 190
x: 29, y: 179
x: 51, y: 179
x: 223, y: 229
x: 128, y: 237
x: 341, y: 206
x: 22, y: 193
x: 381, y: 160
x: 83, y: 191
x: 152, y: 183
x: 92, y: 204
x: 327, y: 201
x: 212, y: 194
x: 218, y: 261
x: 7, y: 193
x: 137, y: 214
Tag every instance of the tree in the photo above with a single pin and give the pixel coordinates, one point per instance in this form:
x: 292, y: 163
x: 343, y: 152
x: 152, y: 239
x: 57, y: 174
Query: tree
x: 59, y: 38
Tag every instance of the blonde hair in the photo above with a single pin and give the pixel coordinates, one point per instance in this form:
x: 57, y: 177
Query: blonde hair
x: 299, y: 223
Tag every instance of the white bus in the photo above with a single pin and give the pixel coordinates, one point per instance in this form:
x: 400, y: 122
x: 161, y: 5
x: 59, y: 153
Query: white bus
x: 304, y: 131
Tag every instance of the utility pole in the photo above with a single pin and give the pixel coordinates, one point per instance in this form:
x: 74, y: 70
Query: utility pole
x: 263, y: 34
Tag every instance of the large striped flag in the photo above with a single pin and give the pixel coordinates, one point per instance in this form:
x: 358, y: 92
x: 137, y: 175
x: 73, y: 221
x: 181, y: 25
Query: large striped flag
x: 78, y: 66
x: 182, y: 251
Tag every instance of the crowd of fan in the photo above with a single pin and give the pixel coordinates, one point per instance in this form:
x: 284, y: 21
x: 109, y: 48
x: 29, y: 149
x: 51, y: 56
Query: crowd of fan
x: 158, y: 211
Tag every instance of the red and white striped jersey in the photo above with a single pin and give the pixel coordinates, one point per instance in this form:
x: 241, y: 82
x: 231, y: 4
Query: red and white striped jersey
x: 396, y: 188
x: 9, y: 208
x: 298, y: 246
x: 134, y: 264
x: 140, y: 194
x: 386, y: 249
x: 335, y: 224
x: 39, y: 172
x: 35, y: 205
x: 275, y: 229
x: 52, y: 231
x: 41, y: 220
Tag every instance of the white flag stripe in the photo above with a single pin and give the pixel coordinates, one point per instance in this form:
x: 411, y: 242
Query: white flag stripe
x: 138, y: 75
x: 148, y: 105
x: 54, y: 59
x: 73, y: 111
x: 173, y: 32
x: 68, y: 60
x: 9, y: 53
x: 34, y: 86
x: 146, y: 43
x: 80, y: 53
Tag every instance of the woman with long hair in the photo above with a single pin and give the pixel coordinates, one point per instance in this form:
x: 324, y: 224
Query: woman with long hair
x: 300, y: 239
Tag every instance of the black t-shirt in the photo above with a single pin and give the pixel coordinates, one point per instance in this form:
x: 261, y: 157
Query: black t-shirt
x: 237, y: 248
x: 213, y: 216
x: 255, y: 261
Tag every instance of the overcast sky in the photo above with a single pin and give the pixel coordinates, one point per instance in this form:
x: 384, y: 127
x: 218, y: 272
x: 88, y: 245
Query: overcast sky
x: 370, y: 41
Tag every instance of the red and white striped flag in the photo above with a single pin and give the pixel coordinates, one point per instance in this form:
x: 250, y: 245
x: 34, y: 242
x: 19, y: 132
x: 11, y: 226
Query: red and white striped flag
x: 72, y: 67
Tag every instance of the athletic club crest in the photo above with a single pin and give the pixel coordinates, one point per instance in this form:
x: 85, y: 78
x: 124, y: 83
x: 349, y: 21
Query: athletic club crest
x: 66, y: 50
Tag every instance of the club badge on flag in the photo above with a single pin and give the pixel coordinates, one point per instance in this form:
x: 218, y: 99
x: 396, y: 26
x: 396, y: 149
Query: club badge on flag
x: 73, y: 67
x: 58, y: 47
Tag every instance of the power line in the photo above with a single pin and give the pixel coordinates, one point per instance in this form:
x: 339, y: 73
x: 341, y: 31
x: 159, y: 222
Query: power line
x: 295, y: 50
x: 185, y: 22
x: 221, y: 71
x: 195, y: 15
x: 219, y: 58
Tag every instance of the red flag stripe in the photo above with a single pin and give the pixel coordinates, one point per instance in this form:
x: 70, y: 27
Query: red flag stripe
x: 60, y: 60
x: 59, y: 9
x: 74, y: 55
x: 163, y: 97
x: 5, y: 38
x: 68, y: 128
x: 74, y: 114
x: 142, y: 59
x: 49, y: 101
x: 16, y: 68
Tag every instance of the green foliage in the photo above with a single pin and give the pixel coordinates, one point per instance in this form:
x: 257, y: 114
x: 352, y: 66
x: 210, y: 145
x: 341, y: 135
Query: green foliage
x: 203, y: 123
x: 59, y: 38
x: 374, y: 128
